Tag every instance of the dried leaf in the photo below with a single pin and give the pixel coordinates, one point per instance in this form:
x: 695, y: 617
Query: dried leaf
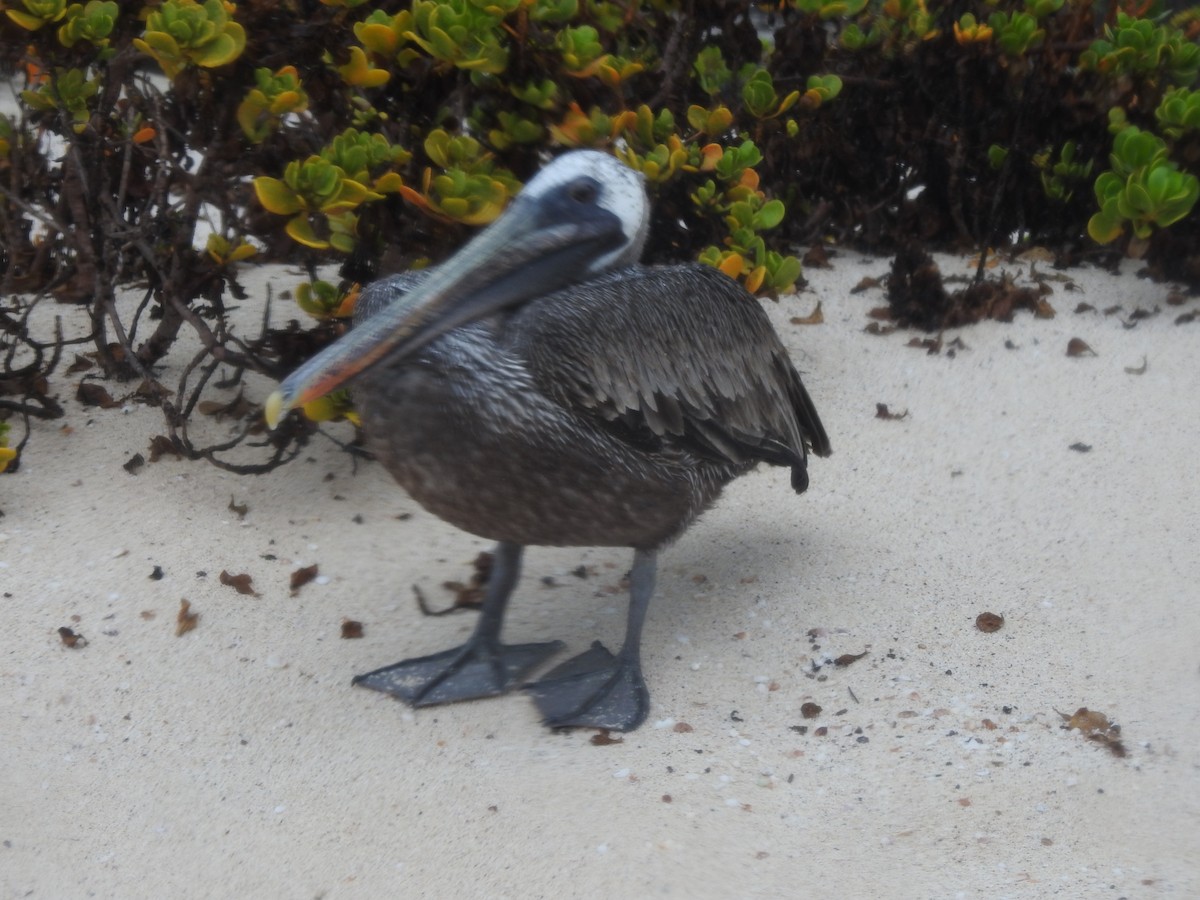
x: 351, y: 629
x: 816, y: 317
x: 152, y: 392
x: 237, y: 408
x: 1084, y: 307
x: 71, y: 639
x: 882, y: 412
x: 240, y: 583
x: 91, y: 394
x: 186, y: 620
x: 1087, y: 720
x: 302, y: 576
x: 1096, y: 726
x: 877, y: 329
x: 932, y: 346
x: 847, y: 658
x: 161, y: 445
x: 988, y: 622
x: 1042, y: 309
x: 81, y: 364
x: 810, y: 710
x: 603, y: 738
x: 1079, y: 347
x: 817, y: 257
x: 466, y: 596
x: 866, y: 283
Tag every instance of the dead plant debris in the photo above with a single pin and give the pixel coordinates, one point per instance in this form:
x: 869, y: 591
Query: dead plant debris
x: 301, y: 577
x: 351, y: 629
x: 604, y: 738
x: 160, y: 446
x: 1096, y: 726
x: 71, y: 638
x: 186, y: 620
x: 237, y: 408
x: 817, y: 257
x: 470, y: 595
x: 240, y: 583
x: 866, y: 283
x: 239, y: 508
x: 810, y: 710
x: 1079, y: 347
x: 816, y: 317
x: 879, y: 329
x: 882, y: 412
x: 91, y: 394
x: 989, y: 622
x: 917, y: 296
x: 847, y: 658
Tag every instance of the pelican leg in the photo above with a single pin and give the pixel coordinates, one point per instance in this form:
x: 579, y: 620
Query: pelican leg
x: 596, y: 689
x: 483, y: 666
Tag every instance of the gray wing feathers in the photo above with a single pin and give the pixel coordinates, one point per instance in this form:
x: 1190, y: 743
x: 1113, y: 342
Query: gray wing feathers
x: 383, y: 293
x: 682, y: 349
x: 682, y: 352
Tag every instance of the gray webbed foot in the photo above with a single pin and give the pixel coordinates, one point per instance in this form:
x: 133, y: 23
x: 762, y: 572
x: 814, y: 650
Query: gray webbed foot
x: 476, y: 669
x: 593, y: 690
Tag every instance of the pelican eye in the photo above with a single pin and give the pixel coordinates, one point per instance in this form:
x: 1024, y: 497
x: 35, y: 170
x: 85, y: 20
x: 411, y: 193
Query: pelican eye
x: 583, y: 191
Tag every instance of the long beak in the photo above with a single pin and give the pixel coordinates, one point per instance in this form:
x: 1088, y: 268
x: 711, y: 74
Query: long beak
x: 529, y: 251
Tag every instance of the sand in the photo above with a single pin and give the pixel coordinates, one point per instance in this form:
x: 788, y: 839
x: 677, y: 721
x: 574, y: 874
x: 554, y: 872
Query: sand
x: 237, y: 761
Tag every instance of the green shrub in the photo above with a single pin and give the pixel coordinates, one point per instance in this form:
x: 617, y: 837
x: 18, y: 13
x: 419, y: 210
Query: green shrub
x: 362, y: 126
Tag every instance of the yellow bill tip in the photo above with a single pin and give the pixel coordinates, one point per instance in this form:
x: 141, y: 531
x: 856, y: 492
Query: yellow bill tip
x: 275, y: 409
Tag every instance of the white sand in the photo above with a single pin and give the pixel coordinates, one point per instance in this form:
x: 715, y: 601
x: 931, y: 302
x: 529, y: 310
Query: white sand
x: 237, y: 761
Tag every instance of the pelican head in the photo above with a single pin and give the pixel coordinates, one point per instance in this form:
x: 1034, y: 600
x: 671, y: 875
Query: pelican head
x: 583, y: 214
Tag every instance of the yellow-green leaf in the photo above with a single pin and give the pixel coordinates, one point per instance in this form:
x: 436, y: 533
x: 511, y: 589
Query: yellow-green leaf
x: 300, y: 230
x: 277, y: 197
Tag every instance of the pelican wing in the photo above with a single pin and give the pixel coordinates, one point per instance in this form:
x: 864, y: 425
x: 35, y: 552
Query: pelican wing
x: 673, y: 358
x: 379, y: 294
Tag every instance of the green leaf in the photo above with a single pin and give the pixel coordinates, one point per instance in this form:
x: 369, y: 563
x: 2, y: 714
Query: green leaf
x: 771, y: 214
x: 277, y: 197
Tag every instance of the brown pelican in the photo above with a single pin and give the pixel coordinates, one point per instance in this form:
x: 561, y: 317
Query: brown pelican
x: 541, y: 387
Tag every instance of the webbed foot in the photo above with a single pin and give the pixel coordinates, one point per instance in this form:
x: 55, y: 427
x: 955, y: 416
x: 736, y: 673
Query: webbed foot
x: 593, y: 690
x: 476, y: 669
